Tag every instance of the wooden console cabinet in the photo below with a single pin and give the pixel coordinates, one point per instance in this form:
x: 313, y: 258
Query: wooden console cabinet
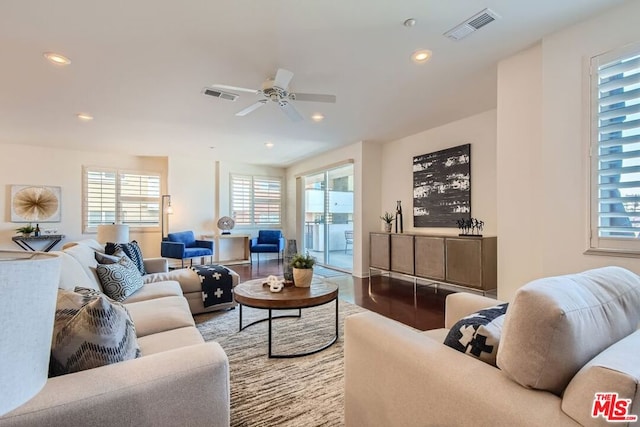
x: 464, y: 261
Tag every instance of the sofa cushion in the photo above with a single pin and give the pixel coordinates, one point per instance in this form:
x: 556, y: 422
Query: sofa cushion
x: 121, y: 279
x: 478, y: 334
x: 556, y: 325
x: 72, y: 274
x: 159, y: 315
x: 85, y: 255
x: 132, y: 250
x: 168, y: 340
x: 615, y: 370
x: 149, y: 291
x: 189, y: 279
x: 90, y: 331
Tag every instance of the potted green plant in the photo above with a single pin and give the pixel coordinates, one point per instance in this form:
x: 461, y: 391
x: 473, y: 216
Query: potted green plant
x: 302, y: 266
x: 26, y: 230
x: 388, y: 219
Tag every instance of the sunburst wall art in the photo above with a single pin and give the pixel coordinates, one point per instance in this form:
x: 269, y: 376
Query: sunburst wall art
x: 35, y: 203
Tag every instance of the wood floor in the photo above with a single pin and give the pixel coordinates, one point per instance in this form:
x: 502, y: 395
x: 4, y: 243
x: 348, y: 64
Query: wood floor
x: 392, y: 298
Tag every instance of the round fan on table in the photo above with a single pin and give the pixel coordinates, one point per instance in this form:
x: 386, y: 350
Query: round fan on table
x: 225, y: 224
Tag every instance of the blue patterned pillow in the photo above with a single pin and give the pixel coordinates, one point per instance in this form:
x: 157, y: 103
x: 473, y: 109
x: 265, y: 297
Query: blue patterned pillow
x: 478, y: 334
x: 119, y: 280
x: 132, y: 250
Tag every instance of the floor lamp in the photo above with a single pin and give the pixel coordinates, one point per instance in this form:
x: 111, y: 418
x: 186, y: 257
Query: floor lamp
x: 167, y: 209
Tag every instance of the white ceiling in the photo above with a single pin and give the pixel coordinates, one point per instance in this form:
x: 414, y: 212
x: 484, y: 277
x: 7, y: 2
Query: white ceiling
x: 138, y: 66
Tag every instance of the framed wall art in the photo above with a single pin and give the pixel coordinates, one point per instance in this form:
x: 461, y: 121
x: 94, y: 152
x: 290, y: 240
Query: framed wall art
x: 35, y: 203
x: 442, y: 187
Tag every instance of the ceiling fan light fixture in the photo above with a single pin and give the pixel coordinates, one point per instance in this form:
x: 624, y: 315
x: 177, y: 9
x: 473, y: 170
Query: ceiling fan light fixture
x: 317, y: 117
x: 421, y: 56
x: 56, y: 58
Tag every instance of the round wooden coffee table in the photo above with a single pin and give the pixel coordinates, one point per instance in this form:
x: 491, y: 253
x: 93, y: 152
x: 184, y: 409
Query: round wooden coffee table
x: 256, y: 295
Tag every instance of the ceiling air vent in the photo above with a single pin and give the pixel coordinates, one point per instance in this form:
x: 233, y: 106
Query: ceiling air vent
x: 472, y: 24
x: 216, y: 93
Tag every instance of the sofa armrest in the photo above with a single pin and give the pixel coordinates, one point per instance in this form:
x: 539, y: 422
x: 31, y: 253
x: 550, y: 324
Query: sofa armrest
x: 189, y: 384
x: 207, y: 244
x: 395, y: 376
x: 172, y: 249
x: 462, y: 304
x: 156, y: 265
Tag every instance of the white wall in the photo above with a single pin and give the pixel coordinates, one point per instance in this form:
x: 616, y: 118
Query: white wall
x: 397, y: 173
x: 520, y: 170
x: 561, y: 191
x: 29, y: 165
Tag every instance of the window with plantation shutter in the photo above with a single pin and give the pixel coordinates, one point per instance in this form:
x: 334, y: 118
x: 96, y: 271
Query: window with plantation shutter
x: 256, y: 201
x: 120, y: 197
x: 615, y: 150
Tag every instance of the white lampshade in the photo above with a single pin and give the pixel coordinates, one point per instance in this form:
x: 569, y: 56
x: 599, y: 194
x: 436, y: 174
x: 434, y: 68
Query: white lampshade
x: 114, y: 233
x: 28, y: 293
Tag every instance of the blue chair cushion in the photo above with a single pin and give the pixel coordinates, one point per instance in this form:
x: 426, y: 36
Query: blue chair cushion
x: 262, y: 247
x: 269, y: 237
x: 196, y: 252
x: 186, y: 237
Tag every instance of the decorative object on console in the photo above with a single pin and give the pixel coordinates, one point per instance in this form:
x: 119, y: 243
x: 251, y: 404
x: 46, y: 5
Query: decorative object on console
x: 166, y: 209
x: 470, y: 227
x: 26, y: 230
x: 290, y: 251
x: 302, y: 270
x: 388, y: 219
x: 399, y: 217
x: 30, y: 203
x: 442, y: 187
x: 226, y: 224
x: 114, y: 233
x: 27, y: 323
x: 478, y: 334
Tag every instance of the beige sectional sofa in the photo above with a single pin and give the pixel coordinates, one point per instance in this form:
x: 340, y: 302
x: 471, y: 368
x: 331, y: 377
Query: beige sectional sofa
x: 178, y: 380
x: 564, y: 339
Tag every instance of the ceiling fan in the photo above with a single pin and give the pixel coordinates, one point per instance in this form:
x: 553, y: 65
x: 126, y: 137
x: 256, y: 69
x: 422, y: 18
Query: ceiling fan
x: 275, y: 90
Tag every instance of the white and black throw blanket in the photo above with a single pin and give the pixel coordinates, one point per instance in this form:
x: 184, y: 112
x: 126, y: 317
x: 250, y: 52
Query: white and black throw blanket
x: 217, y: 284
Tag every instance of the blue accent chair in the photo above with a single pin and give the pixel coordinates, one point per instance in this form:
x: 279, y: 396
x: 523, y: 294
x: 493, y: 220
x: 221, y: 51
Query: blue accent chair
x: 268, y: 241
x: 183, y: 245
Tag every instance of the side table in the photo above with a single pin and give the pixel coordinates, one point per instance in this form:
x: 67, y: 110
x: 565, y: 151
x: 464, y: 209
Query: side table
x: 23, y: 242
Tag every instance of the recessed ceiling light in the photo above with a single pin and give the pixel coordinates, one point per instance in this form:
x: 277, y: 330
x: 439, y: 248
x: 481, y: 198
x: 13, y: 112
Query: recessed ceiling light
x: 269, y: 144
x: 56, y: 58
x: 84, y: 117
x: 421, y: 56
x: 409, y: 22
x: 317, y: 117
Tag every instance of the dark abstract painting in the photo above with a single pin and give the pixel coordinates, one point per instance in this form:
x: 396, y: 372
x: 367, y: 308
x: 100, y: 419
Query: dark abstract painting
x: 442, y: 187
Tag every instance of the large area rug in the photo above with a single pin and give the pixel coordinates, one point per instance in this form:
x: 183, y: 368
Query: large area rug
x: 305, y: 391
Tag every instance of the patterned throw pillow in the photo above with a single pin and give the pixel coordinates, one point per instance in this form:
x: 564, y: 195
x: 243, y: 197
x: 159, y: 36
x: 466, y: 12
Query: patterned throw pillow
x: 132, y: 250
x: 478, y: 334
x: 106, y: 259
x: 121, y: 279
x: 90, y: 331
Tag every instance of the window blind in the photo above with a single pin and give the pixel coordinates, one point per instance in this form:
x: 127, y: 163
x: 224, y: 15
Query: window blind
x: 256, y: 200
x: 112, y: 196
x: 617, y: 129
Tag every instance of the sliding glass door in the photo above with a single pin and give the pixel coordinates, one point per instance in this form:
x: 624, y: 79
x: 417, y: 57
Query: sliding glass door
x: 328, y: 217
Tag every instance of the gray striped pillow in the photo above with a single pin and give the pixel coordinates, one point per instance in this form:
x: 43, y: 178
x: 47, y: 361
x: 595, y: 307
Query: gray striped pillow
x: 90, y: 330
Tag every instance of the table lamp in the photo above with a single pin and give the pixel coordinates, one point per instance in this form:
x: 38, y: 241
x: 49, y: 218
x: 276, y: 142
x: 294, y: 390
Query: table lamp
x: 113, y: 233
x: 28, y: 293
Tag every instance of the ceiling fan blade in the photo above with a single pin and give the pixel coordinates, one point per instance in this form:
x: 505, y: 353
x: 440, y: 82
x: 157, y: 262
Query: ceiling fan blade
x: 251, y: 108
x: 290, y: 111
x: 283, y: 78
x: 235, y: 88
x: 314, y: 97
